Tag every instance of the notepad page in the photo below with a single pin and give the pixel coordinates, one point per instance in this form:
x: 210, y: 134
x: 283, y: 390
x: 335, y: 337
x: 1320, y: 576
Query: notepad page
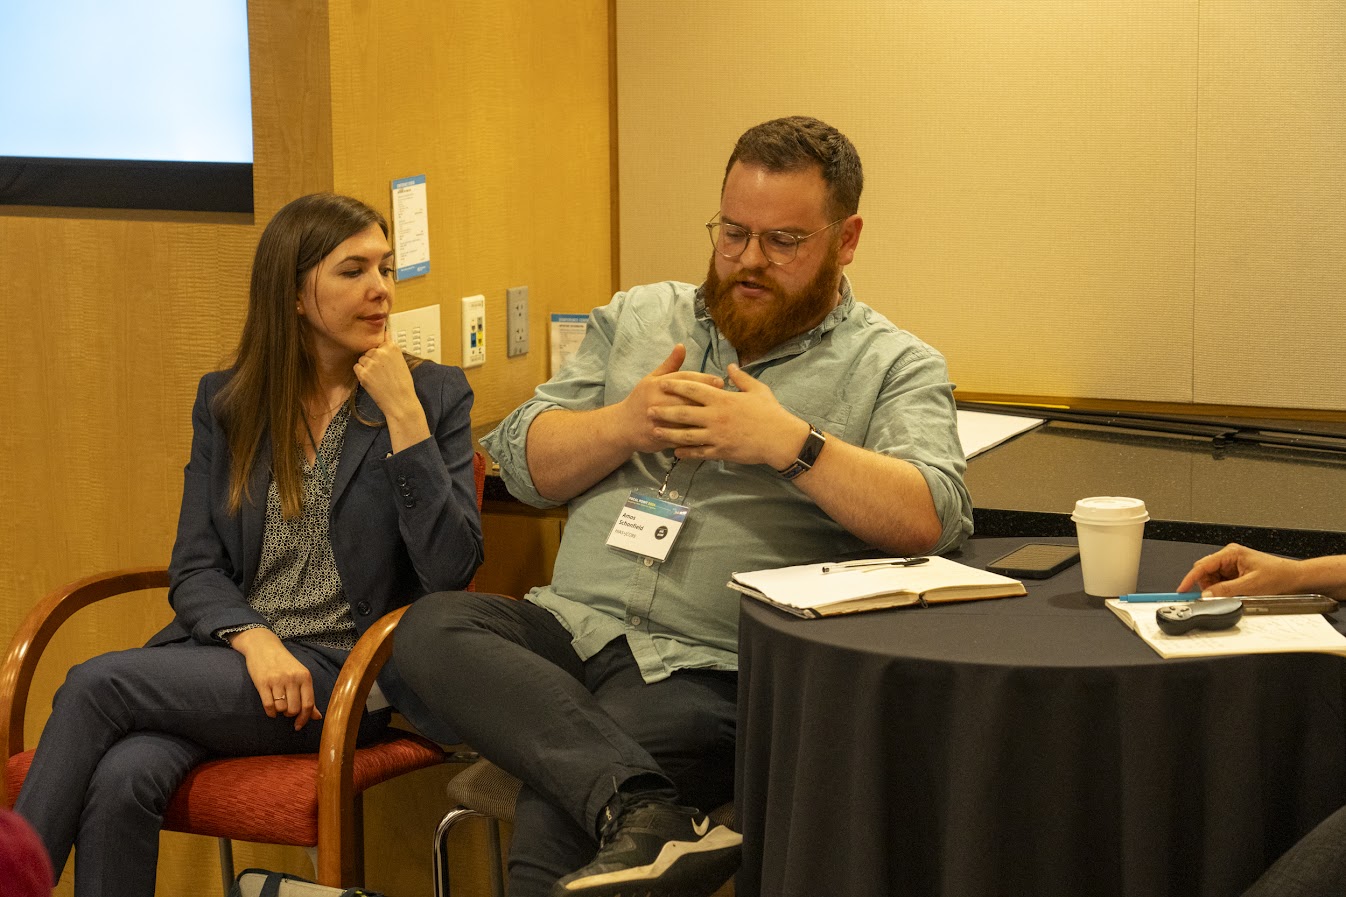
x: 1260, y: 634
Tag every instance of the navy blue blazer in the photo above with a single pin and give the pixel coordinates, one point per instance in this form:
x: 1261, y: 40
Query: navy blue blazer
x: 402, y: 525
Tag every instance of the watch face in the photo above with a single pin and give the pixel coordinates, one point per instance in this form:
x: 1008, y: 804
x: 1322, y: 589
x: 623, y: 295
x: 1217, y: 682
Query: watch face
x: 808, y: 454
x: 813, y: 445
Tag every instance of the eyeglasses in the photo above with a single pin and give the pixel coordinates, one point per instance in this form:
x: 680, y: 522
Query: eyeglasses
x: 778, y: 246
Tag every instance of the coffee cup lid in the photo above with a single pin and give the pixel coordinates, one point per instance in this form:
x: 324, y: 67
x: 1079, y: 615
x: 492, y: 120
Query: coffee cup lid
x: 1110, y: 509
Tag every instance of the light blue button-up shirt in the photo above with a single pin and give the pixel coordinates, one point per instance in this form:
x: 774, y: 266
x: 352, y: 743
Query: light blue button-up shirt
x: 856, y: 376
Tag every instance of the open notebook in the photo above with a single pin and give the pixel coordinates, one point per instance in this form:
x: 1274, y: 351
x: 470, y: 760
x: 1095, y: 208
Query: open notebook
x: 807, y: 591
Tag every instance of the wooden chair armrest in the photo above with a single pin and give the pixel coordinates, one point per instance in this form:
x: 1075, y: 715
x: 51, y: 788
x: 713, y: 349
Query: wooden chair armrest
x: 341, y: 724
x: 37, y: 629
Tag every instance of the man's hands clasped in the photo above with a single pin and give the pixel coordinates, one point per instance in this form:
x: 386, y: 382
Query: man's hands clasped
x: 696, y: 416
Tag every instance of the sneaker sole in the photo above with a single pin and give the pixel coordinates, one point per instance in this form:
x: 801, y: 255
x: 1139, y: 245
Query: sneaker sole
x: 682, y: 869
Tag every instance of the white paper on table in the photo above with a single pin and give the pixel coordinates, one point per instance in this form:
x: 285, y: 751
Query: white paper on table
x: 1253, y: 634
x: 980, y: 430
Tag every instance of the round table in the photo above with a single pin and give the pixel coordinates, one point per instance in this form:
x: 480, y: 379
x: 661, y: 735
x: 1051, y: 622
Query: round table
x: 1025, y: 747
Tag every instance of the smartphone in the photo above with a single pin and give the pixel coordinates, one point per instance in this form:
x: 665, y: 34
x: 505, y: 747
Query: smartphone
x: 1037, y: 560
x: 1288, y: 604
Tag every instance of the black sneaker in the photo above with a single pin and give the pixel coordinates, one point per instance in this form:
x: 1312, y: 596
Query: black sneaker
x: 657, y: 849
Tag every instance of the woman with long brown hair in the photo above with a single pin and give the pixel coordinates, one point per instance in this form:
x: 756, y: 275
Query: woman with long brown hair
x: 330, y: 481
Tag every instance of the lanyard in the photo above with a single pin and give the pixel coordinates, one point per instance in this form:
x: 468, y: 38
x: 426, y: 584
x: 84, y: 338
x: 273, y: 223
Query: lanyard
x: 663, y: 487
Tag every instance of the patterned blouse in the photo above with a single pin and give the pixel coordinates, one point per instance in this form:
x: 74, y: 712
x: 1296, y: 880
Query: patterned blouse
x: 297, y: 587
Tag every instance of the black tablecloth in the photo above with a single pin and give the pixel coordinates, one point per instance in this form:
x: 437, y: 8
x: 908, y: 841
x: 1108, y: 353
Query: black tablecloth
x: 1025, y: 747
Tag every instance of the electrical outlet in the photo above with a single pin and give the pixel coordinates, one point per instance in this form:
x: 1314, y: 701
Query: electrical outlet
x: 417, y: 331
x: 516, y: 304
x: 474, y: 331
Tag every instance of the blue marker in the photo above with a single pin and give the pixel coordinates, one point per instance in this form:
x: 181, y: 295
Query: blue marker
x: 1154, y: 597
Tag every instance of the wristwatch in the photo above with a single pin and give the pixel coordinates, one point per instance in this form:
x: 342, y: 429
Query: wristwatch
x: 808, y: 455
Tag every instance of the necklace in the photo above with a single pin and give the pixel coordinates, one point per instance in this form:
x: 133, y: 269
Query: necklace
x: 327, y: 411
x: 325, y: 475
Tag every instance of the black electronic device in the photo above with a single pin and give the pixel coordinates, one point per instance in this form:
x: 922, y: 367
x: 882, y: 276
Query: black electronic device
x: 1211, y: 613
x: 1288, y: 604
x: 1036, y: 560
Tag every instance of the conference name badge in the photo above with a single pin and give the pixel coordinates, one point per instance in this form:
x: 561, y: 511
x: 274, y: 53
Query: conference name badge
x: 647, y: 524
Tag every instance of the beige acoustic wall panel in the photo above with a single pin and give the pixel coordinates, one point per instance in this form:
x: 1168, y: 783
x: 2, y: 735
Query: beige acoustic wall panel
x: 1271, y: 236
x: 1029, y: 168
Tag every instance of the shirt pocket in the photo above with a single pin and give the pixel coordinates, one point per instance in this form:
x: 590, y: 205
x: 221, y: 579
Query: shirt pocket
x: 831, y: 413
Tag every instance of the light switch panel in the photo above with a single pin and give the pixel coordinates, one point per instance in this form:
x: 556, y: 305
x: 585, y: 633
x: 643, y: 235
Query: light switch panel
x: 474, y: 331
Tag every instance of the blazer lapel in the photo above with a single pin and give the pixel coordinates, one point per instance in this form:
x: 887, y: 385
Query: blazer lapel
x: 359, y: 439
x: 253, y: 513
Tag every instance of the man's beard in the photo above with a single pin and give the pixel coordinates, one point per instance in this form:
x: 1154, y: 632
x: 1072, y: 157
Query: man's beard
x: 756, y: 326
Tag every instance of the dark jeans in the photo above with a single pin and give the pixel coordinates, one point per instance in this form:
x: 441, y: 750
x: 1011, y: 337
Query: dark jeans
x: 1314, y: 867
x: 503, y: 674
x: 126, y: 728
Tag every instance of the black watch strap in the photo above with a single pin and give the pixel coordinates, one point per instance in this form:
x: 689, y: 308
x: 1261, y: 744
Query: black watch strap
x: 808, y: 455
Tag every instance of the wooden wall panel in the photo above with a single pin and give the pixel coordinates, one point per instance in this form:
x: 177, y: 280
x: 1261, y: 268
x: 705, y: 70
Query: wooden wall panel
x: 521, y: 546
x: 504, y: 108
x: 121, y: 313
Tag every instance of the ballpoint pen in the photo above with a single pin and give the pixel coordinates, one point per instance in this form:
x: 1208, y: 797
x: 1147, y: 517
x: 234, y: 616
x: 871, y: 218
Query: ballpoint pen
x: 865, y: 566
x: 1153, y: 597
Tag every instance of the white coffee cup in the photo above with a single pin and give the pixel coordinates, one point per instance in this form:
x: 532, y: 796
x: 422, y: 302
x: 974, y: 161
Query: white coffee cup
x: 1110, y: 531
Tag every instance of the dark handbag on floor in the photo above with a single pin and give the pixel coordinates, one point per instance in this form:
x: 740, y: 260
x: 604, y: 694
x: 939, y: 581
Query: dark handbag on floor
x: 261, y: 883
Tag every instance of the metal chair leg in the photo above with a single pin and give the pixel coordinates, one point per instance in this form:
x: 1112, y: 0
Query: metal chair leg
x: 226, y: 863
x: 441, y: 849
x: 497, y: 875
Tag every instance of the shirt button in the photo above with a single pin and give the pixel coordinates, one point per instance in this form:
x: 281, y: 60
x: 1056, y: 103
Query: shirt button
x: 635, y: 621
x: 673, y: 495
x: 649, y: 562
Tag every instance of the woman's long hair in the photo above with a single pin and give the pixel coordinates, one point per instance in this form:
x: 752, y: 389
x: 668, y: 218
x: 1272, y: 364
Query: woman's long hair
x: 274, y: 368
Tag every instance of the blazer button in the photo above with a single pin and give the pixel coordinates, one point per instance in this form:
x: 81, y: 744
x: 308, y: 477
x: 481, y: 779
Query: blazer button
x: 401, y: 481
x: 362, y: 608
x: 410, y: 503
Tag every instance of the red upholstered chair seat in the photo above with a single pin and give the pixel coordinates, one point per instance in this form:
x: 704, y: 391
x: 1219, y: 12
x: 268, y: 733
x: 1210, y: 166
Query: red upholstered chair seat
x: 271, y: 799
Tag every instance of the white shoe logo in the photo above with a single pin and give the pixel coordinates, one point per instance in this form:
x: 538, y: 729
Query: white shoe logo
x: 700, y: 828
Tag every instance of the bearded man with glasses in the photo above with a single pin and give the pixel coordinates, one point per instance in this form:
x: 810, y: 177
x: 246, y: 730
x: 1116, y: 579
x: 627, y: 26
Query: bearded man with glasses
x: 762, y: 419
